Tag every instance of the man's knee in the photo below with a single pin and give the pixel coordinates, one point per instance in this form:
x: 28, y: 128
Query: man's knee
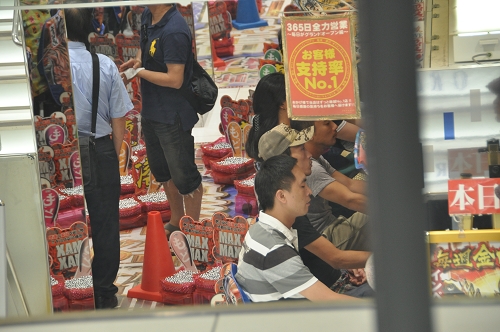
x: 358, y: 220
x: 350, y: 234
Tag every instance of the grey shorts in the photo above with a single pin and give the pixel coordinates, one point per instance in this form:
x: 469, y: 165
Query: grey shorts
x: 350, y: 234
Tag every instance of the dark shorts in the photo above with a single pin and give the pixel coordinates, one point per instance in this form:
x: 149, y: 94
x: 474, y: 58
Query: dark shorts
x: 170, y: 152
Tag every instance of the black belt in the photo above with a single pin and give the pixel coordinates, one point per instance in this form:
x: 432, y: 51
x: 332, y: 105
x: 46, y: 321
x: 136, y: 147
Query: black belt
x: 103, y: 138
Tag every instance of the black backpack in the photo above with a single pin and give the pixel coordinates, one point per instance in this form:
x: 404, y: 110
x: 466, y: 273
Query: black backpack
x: 203, y: 93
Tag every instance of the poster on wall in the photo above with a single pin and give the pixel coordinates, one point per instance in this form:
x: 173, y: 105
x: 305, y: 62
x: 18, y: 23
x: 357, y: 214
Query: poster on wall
x: 319, y: 57
x: 465, y: 264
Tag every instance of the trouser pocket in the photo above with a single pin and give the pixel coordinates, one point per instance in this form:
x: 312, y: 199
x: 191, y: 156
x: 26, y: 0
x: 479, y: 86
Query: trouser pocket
x: 87, y: 152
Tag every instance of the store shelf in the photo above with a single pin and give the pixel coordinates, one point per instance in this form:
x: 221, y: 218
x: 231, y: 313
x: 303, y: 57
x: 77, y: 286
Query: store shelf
x: 5, y: 23
x: 14, y: 96
x: 17, y: 140
x: 16, y: 117
x: 6, y: 15
x: 13, y: 74
x: 11, y: 53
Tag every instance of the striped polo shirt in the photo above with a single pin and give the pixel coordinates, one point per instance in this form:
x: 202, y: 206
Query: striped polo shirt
x: 269, y: 266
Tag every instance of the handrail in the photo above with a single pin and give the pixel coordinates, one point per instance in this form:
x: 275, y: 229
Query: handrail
x: 15, y: 26
x: 15, y: 288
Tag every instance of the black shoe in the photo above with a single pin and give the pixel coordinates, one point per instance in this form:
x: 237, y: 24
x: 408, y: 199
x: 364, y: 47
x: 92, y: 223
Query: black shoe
x: 104, y: 302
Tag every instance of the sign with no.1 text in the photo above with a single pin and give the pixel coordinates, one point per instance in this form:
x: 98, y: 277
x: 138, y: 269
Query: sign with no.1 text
x: 322, y: 78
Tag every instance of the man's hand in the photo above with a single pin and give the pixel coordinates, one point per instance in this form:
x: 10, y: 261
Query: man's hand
x: 357, y: 276
x: 132, y: 63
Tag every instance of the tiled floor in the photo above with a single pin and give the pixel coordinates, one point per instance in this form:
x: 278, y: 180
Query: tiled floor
x: 132, y: 242
x: 215, y: 198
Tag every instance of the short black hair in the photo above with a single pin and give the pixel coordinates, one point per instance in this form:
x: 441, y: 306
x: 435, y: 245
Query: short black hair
x: 275, y: 173
x: 79, y: 24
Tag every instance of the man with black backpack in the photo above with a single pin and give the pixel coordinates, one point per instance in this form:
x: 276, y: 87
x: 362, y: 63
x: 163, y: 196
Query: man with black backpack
x: 165, y: 66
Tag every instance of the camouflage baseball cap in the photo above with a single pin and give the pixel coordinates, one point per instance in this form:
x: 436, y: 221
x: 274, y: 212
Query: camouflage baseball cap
x: 280, y: 138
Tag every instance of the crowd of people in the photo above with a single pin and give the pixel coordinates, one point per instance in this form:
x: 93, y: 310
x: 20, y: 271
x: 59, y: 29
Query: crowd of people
x: 164, y: 65
x: 299, y: 248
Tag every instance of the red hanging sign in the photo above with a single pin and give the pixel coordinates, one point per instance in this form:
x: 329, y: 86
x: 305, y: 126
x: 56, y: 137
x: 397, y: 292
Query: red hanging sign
x: 474, y: 196
x: 322, y: 77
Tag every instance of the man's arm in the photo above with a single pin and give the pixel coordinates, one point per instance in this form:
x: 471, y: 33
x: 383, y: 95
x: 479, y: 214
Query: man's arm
x: 319, y: 292
x: 338, y: 259
x: 356, y: 186
x: 348, y: 132
x: 173, y: 78
x: 118, y: 131
x: 338, y: 193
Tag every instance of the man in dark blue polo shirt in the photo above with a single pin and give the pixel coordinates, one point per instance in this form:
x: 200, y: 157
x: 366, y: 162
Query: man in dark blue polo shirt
x: 167, y: 117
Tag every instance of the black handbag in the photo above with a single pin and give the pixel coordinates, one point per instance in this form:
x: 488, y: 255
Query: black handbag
x: 87, y: 143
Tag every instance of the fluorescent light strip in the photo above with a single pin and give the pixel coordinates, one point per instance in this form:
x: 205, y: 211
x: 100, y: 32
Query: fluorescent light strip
x: 469, y: 34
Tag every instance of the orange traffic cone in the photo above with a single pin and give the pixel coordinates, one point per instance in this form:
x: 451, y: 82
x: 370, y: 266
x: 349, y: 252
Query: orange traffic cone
x: 158, y: 263
x: 216, y: 61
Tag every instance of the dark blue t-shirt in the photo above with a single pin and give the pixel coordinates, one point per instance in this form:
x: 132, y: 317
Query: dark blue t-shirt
x: 168, y: 41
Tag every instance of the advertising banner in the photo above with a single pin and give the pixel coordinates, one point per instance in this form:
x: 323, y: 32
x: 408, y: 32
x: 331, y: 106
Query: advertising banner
x: 465, y: 263
x: 474, y: 196
x: 319, y: 57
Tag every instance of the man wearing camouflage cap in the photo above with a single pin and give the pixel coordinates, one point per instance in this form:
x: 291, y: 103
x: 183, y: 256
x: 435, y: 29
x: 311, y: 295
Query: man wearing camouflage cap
x: 322, y: 257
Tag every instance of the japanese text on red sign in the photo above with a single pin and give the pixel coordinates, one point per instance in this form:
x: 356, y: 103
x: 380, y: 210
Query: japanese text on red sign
x: 473, y: 196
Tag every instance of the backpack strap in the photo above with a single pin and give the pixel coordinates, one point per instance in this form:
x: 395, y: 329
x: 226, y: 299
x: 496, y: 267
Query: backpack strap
x: 95, y: 91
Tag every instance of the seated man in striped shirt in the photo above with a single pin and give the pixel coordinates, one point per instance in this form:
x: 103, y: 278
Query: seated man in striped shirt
x: 270, y: 267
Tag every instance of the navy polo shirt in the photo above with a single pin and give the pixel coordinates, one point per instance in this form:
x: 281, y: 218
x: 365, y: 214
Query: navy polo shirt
x: 168, y: 41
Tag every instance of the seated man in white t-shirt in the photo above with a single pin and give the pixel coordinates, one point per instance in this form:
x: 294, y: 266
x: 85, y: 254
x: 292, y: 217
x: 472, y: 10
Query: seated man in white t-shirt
x: 329, y: 185
x: 269, y: 267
